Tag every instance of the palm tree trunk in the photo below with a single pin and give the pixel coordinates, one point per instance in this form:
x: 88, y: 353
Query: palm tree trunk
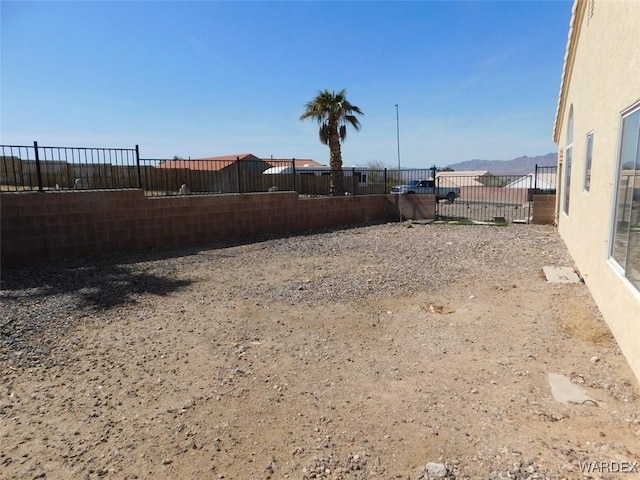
x: 336, y: 185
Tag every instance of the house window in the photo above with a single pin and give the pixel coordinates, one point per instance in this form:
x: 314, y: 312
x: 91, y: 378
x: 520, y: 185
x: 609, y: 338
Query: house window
x: 567, y: 165
x: 587, y: 166
x: 625, y: 245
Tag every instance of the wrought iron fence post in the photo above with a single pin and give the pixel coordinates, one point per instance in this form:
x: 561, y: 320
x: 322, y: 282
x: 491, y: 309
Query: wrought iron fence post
x: 38, y: 171
x: 386, y: 189
x: 293, y: 169
x: 189, y: 182
x: 138, y: 164
x: 238, y: 174
x: 353, y: 179
x: 436, y: 182
x: 533, y: 193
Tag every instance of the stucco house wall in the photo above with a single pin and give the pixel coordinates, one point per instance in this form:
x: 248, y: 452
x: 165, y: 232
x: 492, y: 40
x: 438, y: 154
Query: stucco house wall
x: 601, y: 80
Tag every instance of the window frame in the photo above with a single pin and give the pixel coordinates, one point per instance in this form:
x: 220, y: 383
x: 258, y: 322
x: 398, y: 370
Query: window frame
x: 568, y: 160
x: 615, y: 263
x: 588, y: 162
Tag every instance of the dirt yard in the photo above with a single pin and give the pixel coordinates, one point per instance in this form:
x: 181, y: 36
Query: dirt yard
x: 362, y: 353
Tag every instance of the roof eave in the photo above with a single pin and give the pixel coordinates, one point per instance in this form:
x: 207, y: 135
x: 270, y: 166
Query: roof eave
x: 577, y: 14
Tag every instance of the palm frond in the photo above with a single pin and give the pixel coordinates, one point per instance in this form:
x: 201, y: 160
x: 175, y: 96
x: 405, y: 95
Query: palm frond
x: 324, y: 133
x: 343, y: 132
x: 353, y: 121
x: 334, y: 113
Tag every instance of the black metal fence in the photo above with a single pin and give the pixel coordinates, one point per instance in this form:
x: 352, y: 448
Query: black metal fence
x: 40, y: 168
x: 544, y: 180
x: 478, y: 196
x: 179, y: 177
x: 484, y: 197
x: 59, y: 168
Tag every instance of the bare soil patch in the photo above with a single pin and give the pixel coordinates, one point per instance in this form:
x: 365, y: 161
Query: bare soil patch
x: 361, y: 353
x: 582, y: 320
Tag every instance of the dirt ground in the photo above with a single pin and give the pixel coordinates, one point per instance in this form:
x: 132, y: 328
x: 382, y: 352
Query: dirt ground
x: 350, y: 354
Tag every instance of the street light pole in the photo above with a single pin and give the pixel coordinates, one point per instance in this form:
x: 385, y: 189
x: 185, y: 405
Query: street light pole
x: 399, y: 173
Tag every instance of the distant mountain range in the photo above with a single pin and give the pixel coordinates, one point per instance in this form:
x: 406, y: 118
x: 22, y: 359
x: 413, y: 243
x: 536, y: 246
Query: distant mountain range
x: 516, y: 166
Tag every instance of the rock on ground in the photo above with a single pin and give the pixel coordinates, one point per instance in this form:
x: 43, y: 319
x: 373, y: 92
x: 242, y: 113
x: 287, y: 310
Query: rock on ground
x: 348, y: 354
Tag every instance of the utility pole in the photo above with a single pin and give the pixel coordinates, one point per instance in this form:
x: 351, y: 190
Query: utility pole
x: 399, y: 173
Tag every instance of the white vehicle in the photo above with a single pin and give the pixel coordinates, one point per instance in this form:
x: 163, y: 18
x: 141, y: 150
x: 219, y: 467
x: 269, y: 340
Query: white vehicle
x: 361, y: 173
x: 428, y: 186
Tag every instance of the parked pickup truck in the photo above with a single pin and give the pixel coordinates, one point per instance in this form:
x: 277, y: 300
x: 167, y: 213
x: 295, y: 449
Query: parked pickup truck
x: 428, y: 186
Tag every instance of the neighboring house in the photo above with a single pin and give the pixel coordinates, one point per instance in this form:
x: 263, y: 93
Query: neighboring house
x: 542, y: 181
x: 597, y: 130
x: 449, y: 182
x: 247, y: 163
x: 299, y: 162
x: 227, y: 173
x: 466, y: 178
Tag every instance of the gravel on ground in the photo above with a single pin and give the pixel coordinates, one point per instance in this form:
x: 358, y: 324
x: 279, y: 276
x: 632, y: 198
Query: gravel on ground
x: 381, y: 351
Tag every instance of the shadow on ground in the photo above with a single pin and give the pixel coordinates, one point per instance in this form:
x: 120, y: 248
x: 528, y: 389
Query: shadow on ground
x: 92, y: 282
x: 42, y: 304
x: 127, y: 257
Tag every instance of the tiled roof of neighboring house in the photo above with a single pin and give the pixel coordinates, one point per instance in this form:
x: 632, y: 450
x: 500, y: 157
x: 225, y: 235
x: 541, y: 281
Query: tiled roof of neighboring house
x: 232, y: 158
x: 209, y: 163
x: 223, y: 161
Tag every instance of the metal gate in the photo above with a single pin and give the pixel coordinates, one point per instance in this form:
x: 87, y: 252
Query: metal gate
x: 484, y: 197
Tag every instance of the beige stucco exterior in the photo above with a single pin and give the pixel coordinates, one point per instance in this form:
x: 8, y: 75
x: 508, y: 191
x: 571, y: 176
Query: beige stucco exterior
x: 601, y: 80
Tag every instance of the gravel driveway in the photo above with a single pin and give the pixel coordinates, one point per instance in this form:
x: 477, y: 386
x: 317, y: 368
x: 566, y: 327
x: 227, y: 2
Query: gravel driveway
x: 348, y: 354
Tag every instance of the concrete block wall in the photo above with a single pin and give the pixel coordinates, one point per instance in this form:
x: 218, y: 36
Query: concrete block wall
x: 414, y: 207
x: 47, y: 225
x: 544, y: 209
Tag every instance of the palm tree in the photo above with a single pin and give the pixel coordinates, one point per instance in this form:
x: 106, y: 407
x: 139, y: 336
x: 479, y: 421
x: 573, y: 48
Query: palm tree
x: 333, y: 112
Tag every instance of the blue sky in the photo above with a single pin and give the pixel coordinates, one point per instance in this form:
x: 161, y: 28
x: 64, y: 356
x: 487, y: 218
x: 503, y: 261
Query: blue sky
x: 472, y: 79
